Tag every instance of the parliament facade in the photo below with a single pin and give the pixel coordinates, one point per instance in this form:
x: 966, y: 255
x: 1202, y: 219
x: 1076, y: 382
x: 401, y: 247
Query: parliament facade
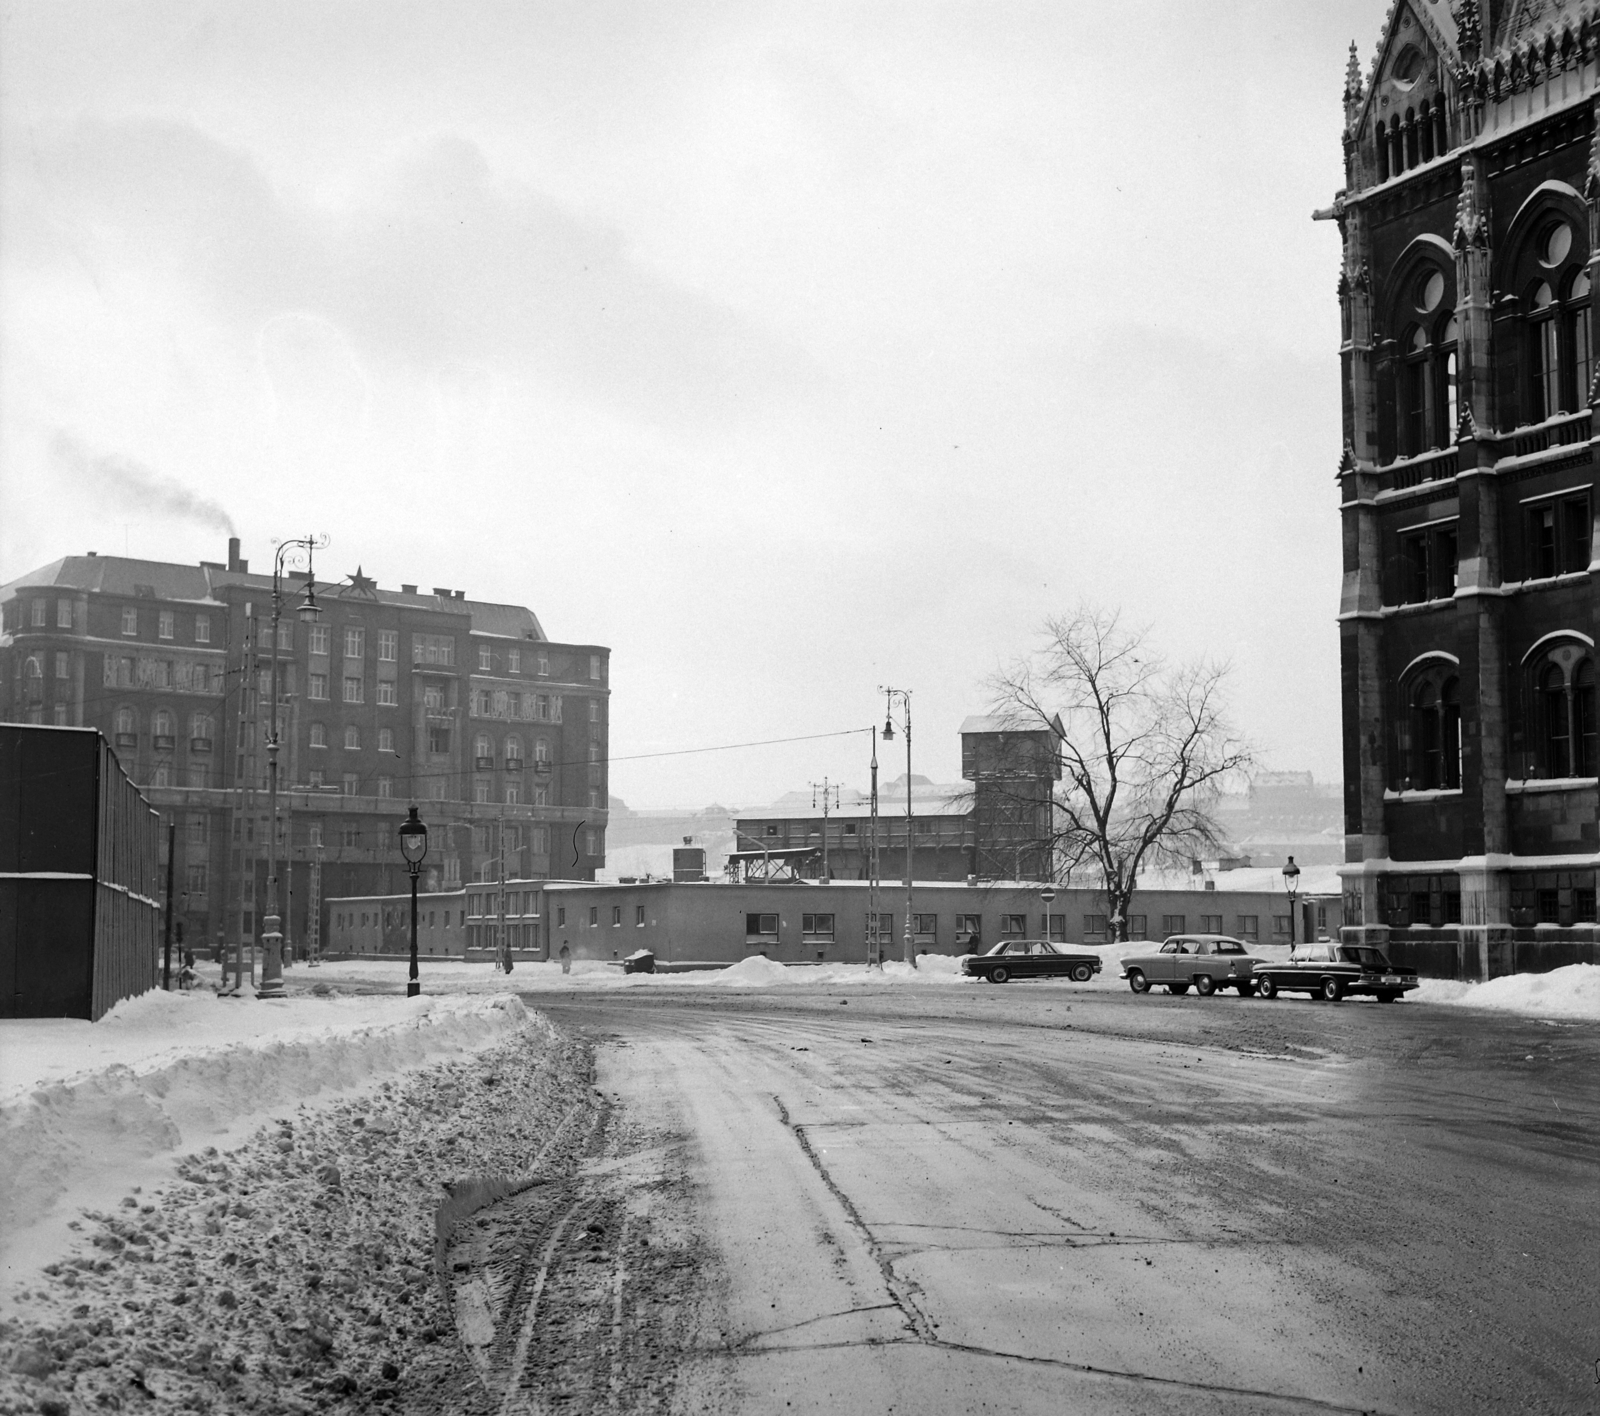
x: 391, y: 696
x: 1470, y: 604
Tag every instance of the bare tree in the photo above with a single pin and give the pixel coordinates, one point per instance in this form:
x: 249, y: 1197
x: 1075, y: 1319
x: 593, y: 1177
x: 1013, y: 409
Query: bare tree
x: 1144, y: 747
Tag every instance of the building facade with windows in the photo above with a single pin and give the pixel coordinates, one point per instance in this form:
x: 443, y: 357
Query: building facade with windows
x: 1470, y: 606
x: 392, y: 696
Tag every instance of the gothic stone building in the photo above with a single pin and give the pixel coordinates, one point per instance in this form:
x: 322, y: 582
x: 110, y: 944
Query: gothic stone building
x: 1467, y: 486
x: 393, y: 696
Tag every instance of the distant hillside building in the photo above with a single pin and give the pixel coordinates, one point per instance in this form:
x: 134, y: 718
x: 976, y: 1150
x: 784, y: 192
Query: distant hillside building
x: 1470, y: 604
x: 467, y: 708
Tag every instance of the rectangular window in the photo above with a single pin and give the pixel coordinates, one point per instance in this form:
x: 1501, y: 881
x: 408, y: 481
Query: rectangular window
x: 61, y: 665
x: 386, y: 786
x: 485, y: 659
x: 1013, y: 926
x: 286, y: 634
x: 555, y: 708
x: 319, y: 735
x: 385, y: 739
x: 59, y: 715
x: 513, y: 661
x: 314, y: 833
x: 355, y: 642
x: 761, y: 926
x: 1280, y: 927
x: 616, y: 916
x: 594, y: 843
x: 196, y: 878
x: 594, y: 710
x: 39, y: 607
x: 1094, y: 928
x: 1249, y: 927
x: 319, y: 638
x: 130, y: 619
x: 386, y: 694
x: 1137, y: 926
x: 388, y: 645
x: 1210, y: 924
x: 925, y: 926
x: 63, y: 614
x: 202, y: 629
x: 544, y: 664
x: 594, y: 916
x: 314, y: 777
x: 433, y: 649
x: 352, y: 783
x: 638, y: 916
x: 352, y: 737
x: 817, y: 926
x: 1173, y: 924
x: 539, y: 839
x: 480, y: 790
x: 1055, y: 927
x: 433, y: 698
x: 349, y: 835
x: 317, y: 687
x: 354, y: 690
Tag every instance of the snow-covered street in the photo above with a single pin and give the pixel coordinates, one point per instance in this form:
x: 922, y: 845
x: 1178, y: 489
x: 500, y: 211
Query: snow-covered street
x: 231, y: 1204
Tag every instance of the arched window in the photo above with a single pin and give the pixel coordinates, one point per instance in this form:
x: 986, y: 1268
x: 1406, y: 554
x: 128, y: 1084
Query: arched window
x: 1425, y: 377
x: 125, y: 722
x: 201, y: 729
x: 481, y: 746
x: 1585, y: 748
x: 1562, y: 681
x: 1416, y: 385
x: 1544, y: 353
x: 1555, y: 714
x: 1381, y: 146
x: 1425, y: 130
x: 161, y: 730
x: 1579, y: 338
x: 1431, y: 750
x: 541, y: 750
x: 1397, y: 147
x: 513, y: 752
x: 1445, y: 359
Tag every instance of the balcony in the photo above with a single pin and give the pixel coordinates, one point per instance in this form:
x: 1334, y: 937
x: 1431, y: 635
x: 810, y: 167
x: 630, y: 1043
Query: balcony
x: 199, y: 744
x: 1439, y: 465
x: 1563, y: 430
x: 485, y: 764
x: 127, y: 740
x: 514, y: 764
x: 542, y: 768
x: 163, y: 742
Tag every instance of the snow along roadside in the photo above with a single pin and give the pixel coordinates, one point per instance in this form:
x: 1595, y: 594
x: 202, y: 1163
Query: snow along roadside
x: 87, y: 1110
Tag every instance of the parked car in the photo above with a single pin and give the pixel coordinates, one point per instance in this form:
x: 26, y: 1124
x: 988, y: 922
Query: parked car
x: 1206, y: 962
x: 1030, y: 958
x: 1335, y: 971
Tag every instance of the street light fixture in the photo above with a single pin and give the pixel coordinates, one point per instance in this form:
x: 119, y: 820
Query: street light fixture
x: 904, y: 695
x: 1047, y: 896
x: 308, y: 611
x: 1291, y: 884
x: 413, y: 846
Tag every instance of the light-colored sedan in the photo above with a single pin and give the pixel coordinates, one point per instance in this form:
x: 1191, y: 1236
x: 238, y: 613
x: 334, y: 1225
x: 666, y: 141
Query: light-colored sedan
x: 1205, y: 962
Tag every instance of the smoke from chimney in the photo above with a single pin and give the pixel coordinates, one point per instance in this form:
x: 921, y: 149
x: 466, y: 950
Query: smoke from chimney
x: 124, y: 480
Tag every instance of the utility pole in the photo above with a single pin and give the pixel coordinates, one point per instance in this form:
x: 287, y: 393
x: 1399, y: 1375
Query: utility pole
x: 314, y: 910
x: 874, y: 941
x: 825, y: 785
x: 904, y: 695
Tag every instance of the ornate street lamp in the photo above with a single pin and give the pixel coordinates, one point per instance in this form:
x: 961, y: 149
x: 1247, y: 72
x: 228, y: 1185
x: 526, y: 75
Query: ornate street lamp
x: 1291, y: 884
x: 413, y: 846
x: 904, y: 695
x: 1046, y: 896
x: 308, y: 611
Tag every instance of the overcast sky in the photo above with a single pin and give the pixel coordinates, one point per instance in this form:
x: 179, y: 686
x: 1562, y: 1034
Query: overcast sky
x: 789, y: 350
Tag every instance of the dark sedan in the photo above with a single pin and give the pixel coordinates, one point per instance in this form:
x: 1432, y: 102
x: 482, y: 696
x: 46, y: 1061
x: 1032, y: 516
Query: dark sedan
x: 1030, y: 958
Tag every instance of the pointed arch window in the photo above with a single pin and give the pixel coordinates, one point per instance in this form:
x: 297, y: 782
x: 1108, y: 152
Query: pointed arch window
x: 1564, y: 713
x: 1580, y: 338
x: 1427, y: 377
x: 1544, y: 350
x: 1430, y: 754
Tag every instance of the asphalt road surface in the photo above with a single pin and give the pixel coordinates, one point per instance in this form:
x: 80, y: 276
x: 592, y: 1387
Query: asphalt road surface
x: 1050, y: 1198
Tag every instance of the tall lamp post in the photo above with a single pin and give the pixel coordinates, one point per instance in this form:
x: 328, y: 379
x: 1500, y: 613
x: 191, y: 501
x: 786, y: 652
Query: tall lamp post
x: 308, y: 611
x: 1291, y: 884
x: 413, y: 846
x: 904, y: 695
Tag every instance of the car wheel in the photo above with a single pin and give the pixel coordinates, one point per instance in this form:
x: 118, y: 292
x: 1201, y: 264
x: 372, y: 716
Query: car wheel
x: 1082, y: 973
x: 1177, y: 988
x: 1138, y: 982
x: 999, y: 975
x: 1387, y: 997
x: 1332, y: 989
x: 1266, y: 988
x: 1205, y: 985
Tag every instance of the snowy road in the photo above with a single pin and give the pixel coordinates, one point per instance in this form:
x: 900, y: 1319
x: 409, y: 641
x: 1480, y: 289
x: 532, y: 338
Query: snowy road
x: 1044, y: 1198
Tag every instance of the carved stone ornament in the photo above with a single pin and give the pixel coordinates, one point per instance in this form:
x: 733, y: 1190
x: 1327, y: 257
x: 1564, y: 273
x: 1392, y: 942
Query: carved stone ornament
x: 1347, y: 458
x: 1466, y: 428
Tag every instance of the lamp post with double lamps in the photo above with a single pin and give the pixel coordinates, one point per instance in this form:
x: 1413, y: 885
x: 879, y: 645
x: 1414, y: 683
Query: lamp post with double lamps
x: 1291, y: 884
x: 904, y: 695
x: 309, y: 612
x: 413, y: 846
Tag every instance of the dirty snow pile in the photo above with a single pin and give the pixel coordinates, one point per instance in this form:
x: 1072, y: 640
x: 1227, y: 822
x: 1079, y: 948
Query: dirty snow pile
x: 1569, y: 992
x: 295, y: 1271
x: 86, y: 1108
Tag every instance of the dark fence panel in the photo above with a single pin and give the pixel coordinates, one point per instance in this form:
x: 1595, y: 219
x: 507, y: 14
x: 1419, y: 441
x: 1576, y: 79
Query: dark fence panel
x: 80, y: 914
